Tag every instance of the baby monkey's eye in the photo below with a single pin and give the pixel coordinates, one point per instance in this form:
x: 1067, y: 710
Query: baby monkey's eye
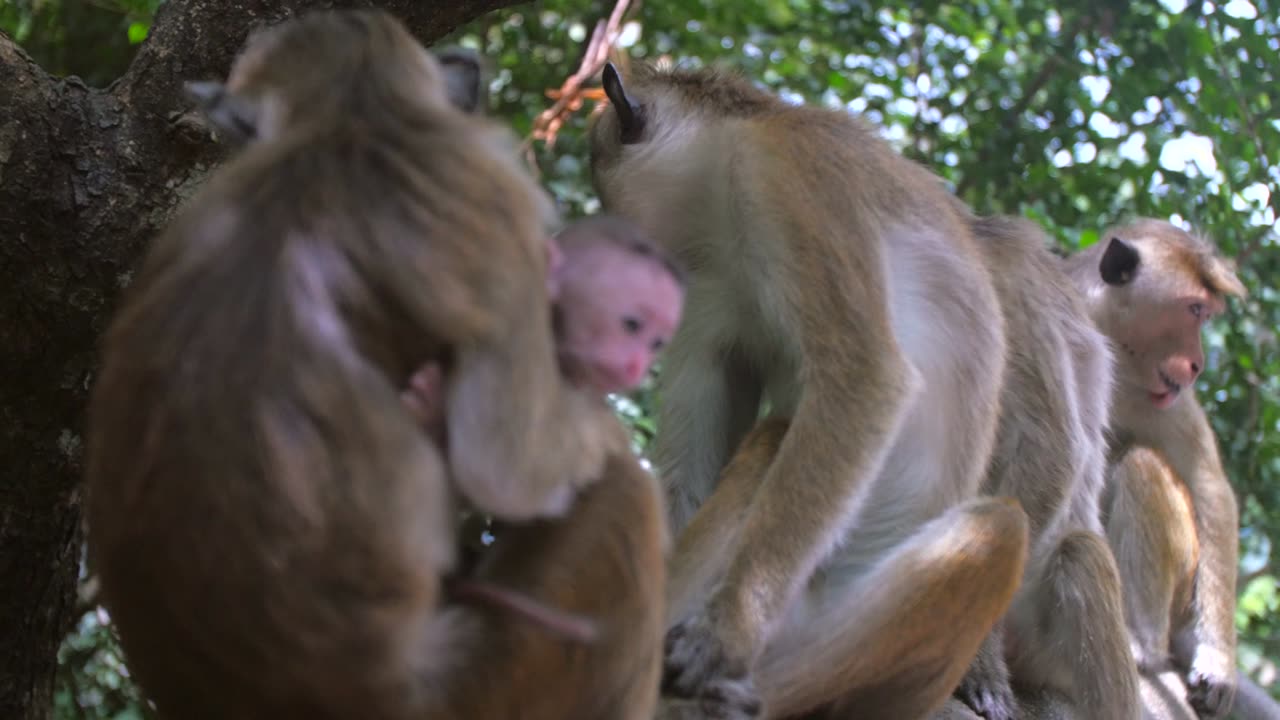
x: 632, y: 325
x: 657, y: 344
x: 1197, y: 311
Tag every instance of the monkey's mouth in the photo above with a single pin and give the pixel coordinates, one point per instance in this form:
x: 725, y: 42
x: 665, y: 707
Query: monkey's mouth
x: 1164, y: 397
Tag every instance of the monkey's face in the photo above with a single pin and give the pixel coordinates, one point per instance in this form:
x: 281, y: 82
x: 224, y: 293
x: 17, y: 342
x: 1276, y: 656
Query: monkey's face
x: 1157, y: 302
x: 617, y: 312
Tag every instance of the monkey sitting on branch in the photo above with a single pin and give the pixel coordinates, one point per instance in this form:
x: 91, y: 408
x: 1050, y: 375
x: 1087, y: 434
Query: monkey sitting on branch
x: 270, y: 525
x: 911, y: 356
x: 1171, y: 513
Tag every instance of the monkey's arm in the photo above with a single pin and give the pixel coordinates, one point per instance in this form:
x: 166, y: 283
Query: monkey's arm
x: 1193, y: 454
x: 521, y: 440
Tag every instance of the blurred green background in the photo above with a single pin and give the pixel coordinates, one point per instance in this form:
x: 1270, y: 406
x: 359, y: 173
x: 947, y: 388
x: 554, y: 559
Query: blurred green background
x: 1076, y: 117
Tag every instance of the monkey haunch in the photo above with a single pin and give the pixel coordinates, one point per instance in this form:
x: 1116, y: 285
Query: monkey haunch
x: 269, y: 524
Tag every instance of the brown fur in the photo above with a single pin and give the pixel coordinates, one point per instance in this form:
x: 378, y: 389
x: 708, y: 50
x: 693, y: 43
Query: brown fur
x: 1151, y: 527
x: 1173, y: 269
x: 269, y: 524
x: 907, y: 661
x: 1064, y: 635
x: 604, y: 562
x: 839, y: 282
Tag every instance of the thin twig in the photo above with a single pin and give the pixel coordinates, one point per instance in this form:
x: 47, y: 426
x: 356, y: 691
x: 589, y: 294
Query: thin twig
x: 570, y: 95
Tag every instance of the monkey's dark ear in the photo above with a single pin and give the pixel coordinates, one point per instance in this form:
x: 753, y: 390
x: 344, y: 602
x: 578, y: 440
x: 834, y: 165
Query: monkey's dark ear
x: 465, y: 77
x: 630, y: 115
x: 232, y: 116
x: 1119, y: 262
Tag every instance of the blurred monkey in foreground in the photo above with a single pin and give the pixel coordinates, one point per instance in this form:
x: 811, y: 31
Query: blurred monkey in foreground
x: 270, y: 525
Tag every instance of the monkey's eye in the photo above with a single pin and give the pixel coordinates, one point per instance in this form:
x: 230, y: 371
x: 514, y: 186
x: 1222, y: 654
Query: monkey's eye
x: 1197, y: 311
x: 657, y: 344
x: 632, y: 325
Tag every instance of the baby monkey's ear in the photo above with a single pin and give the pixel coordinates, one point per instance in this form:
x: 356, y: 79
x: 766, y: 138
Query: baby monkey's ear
x: 466, y: 78
x: 233, y: 118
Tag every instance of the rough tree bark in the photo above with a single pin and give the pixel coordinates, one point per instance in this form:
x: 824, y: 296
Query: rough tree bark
x: 86, y: 178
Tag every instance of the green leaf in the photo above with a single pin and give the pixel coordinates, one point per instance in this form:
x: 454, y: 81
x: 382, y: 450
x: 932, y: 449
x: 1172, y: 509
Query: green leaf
x: 138, y: 32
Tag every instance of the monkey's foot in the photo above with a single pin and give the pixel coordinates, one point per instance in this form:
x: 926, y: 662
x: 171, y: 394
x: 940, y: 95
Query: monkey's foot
x: 1210, y: 693
x: 730, y: 700
x: 696, y: 656
x: 985, y: 687
x: 991, y: 700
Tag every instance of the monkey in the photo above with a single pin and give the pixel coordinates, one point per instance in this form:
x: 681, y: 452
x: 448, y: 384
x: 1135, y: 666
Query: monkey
x: 616, y: 300
x: 835, y: 284
x: 271, y: 527
x: 1062, y: 645
x: 1150, y: 287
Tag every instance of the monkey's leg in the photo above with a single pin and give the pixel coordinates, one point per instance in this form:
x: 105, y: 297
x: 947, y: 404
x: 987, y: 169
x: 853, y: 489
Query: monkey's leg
x: 1151, y: 531
x: 1069, y: 631
x: 894, y: 643
x: 704, y: 549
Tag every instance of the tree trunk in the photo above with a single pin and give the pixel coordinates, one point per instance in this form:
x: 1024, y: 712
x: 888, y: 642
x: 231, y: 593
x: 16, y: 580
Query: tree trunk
x: 87, y: 177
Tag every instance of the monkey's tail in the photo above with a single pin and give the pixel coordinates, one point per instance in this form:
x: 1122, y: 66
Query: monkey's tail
x: 1081, y: 610
x: 567, y: 625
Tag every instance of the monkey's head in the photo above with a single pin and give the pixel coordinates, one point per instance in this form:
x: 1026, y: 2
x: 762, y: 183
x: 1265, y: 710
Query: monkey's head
x: 658, y: 129
x: 1156, y: 287
x: 334, y: 63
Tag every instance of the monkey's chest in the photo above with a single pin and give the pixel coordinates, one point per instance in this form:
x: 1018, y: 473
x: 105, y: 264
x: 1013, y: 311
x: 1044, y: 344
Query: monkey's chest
x: 752, y: 333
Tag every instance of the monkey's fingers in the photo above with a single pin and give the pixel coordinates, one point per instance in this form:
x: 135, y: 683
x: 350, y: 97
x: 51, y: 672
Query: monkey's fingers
x: 1210, y: 696
x: 696, y: 660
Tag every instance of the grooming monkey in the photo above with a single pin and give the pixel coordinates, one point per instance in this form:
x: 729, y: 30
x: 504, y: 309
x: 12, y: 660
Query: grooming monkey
x: 1150, y: 287
x: 849, y: 566
x: 269, y: 524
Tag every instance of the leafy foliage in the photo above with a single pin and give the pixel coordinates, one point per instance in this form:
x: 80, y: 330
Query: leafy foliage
x: 1076, y: 115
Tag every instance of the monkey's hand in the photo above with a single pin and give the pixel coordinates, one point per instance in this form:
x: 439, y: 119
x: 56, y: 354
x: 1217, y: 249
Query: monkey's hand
x: 985, y: 688
x: 1211, y: 683
x: 710, y: 675
x: 708, y: 708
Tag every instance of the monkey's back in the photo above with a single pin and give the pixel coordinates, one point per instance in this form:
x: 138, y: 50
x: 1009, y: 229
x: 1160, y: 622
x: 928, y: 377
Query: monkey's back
x: 1058, y: 357
x: 268, y: 523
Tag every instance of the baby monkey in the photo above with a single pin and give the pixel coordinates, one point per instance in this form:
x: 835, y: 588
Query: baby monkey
x: 616, y: 301
x: 616, y: 298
